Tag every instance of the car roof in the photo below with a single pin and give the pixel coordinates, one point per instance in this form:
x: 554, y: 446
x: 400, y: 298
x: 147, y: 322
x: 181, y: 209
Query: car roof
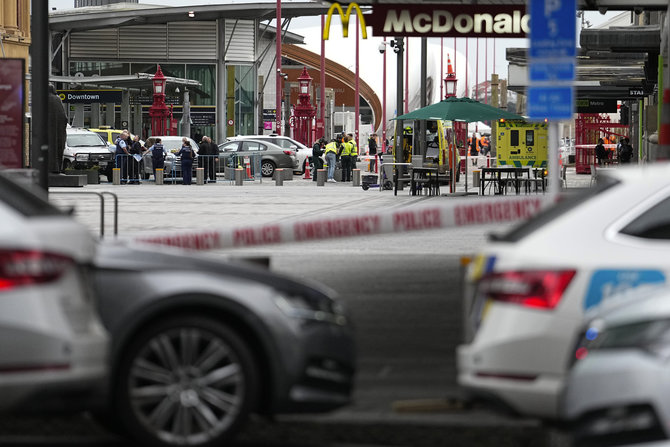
x: 268, y: 143
x: 251, y: 137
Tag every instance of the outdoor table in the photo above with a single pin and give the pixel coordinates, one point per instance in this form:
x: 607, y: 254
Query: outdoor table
x: 424, y: 176
x: 493, y: 177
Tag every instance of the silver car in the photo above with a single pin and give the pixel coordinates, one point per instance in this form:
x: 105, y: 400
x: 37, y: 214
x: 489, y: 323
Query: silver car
x: 85, y: 149
x: 302, y: 152
x: 618, y: 390
x: 267, y: 156
x: 54, y: 348
x: 172, y: 144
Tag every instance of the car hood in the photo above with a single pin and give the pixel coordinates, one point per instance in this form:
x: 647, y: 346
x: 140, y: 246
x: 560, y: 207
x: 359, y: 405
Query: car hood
x: 120, y: 256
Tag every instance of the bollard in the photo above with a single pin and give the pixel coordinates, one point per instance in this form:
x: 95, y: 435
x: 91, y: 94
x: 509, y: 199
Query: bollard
x: 356, y: 178
x: 159, y: 176
x: 200, y: 176
x: 239, y: 177
x: 321, y: 177
x: 476, y: 178
x: 279, y: 177
x: 116, y: 176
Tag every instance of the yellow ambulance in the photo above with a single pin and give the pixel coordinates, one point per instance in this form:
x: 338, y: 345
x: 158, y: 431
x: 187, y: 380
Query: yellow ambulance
x: 521, y: 144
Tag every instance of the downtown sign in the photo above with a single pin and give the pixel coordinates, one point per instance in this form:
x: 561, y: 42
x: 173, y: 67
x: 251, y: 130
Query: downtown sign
x: 446, y: 20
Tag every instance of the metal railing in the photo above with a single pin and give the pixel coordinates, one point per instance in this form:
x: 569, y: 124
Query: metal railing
x: 101, y: 196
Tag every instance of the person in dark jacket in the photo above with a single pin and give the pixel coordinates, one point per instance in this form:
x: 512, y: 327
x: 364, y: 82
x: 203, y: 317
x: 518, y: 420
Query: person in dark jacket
x: 601, y: 152
x: 157, y: 155
x: 133, y: 163
x: 317, y: 152
x: 57, y: 133
x: 121, y: 155
x: 208, y: 155
x: 187, y: 155
x: 626, y: 152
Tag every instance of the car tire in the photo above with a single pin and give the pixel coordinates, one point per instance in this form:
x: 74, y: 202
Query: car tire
x: 186, y: 380
x: 67, y: 164
x: 267, y: 168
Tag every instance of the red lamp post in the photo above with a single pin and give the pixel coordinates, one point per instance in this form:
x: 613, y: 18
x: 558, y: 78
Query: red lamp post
x: 159, y: 112
x: 450, y: 81
x: 304, y: 111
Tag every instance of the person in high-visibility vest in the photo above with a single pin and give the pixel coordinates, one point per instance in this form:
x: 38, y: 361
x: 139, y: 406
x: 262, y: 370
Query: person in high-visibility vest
x: 345, y: 158
x: 353, y: 155
x: 331, y: 159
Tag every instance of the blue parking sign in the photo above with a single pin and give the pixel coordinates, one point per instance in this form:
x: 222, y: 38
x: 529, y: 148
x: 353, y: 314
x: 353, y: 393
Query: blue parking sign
x: 552, y: 103
x: 552, y: 29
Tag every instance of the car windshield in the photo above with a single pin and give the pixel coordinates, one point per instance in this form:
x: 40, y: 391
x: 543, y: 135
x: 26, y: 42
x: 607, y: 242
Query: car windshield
x: 173, y: 144
x: 84, y: 139
x: 566, y: 203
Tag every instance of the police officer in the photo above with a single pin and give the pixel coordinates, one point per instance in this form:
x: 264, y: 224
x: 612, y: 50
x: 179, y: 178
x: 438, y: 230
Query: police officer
x: 121, y: 155
x: 331, y: 159
x: 187, y: 155
x: 157, y: 155
x: 317, y: 152
x: 353, y: 155
x: 345, y: 157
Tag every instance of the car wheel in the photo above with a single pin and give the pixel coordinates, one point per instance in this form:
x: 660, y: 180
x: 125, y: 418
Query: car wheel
x: 267, y: 168
x: 67, y: 164
x: 186, y: 381
x: 109, y: 172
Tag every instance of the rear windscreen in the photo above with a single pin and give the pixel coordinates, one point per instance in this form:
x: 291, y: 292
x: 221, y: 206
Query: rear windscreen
x: 25, y: 201
x: 566, y: 203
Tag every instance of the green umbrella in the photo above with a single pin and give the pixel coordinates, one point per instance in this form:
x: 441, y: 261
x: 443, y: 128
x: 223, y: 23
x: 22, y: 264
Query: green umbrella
x: 459, y: 109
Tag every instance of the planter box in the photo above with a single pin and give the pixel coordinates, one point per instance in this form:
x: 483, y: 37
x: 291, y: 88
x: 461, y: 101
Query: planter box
x: 92, y: 175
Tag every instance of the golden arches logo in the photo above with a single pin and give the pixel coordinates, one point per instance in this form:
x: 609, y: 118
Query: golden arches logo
x: 345, y: 20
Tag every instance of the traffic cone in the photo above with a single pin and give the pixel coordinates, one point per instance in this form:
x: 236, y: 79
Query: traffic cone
x: 450, y: 69
x: 248, y: 169
x: 663, y: 150
x: 307, y: 176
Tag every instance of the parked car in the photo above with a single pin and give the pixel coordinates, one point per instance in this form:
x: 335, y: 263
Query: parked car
x: 85, y: 150
x: 302, y: 152
x: 527, y: 291
x: 617, y: 392
x: 107, y: 133
x: 271, y: 155
x: 172, y: 144
x: 54, y: 347
x: 198, y: 344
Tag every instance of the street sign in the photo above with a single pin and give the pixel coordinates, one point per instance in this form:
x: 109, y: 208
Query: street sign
x: 551, y: 71
x: 552, y: 29
x: 552, y: 103
x: 636, y: 92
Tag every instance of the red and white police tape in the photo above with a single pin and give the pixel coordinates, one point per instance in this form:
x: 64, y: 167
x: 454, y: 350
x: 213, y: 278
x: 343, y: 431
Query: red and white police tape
x: 455, y: 213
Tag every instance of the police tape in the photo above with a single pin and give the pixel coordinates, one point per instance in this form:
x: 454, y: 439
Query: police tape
x: 456, y: 213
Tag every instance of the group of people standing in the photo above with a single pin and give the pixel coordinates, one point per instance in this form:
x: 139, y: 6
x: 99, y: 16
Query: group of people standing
x: 129, y: 152
x: 343, y: 149
x: 624, y: 152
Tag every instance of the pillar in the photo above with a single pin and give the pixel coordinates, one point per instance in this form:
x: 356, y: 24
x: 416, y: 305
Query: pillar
x: 137, y: 119
x: 110, y: 114
x: 95, y: 115
x: 125, y: 109
x: 78, y: 120
x: 10, y: 17
x: 24, y: 18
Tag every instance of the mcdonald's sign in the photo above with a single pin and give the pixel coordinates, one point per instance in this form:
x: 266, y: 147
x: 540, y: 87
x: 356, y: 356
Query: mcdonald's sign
x: 345, y: 20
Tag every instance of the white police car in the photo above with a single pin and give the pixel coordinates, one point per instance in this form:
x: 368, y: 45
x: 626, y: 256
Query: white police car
x: 527, y: 291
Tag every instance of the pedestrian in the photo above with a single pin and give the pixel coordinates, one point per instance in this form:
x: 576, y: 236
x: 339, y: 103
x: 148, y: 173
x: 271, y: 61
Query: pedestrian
x: 187, y: 155
x: 601, y: 152
x: 331, y: 159
x: 208, y: 154
x: 473, y: 148
x: 345, y: 158
x: 135, y: 151
x: 626, y: 153
x: 317, y: 161
x: 353, y: 155
x: 56, y: 131
x: 157, y: 155
x: 372, y: 150
x: 121, y: 155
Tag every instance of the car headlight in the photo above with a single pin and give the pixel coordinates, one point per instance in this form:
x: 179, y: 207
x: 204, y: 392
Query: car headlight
x: 82, y: 157
x: 316, y: 308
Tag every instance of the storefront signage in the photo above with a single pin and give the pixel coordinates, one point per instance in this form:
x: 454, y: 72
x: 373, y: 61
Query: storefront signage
x: 636, y: 92
x: 448, y: 20
x: 90, y: 96
x: 596, y: 106
x: 12, y: 76
x: 345, y: 20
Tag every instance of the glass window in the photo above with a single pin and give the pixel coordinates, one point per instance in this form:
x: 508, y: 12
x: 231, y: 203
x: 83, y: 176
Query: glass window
x: 253, y: 146
x: 143, y: 68
x: 530, y: 138
x: 28, y: 202
x: 205, y: 94
x: 229, y: 147
x: 245, y: 92
x: 652, y: 224
x: 174, y: 70
x: 114, y: 68
x: 514, y: 138
x: 86, y: 68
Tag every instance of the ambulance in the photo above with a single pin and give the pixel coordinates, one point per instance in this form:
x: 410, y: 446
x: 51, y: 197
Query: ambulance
x: 521, y: 144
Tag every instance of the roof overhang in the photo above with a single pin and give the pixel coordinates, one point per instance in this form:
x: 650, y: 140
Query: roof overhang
x: 134, y: 81
x: 80, y: 19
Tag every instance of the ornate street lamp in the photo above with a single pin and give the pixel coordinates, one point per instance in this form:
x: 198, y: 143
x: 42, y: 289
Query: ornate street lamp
x: 450, y: 81
x: 304, y: 111
x: 159, y: 112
